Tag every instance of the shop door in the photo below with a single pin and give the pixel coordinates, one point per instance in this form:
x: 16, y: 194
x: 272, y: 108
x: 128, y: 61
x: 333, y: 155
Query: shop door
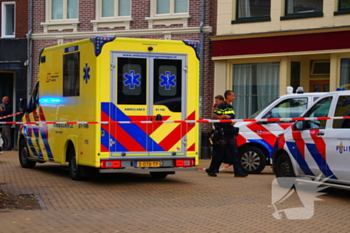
x: 319, y: 86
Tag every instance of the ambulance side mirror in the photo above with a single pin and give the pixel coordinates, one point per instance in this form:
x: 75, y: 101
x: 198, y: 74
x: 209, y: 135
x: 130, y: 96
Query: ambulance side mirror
x: 299, y: 125
x: 22, y: 105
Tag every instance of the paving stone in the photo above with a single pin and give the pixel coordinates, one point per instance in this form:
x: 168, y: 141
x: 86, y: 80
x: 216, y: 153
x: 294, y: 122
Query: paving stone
x: 184, y: 202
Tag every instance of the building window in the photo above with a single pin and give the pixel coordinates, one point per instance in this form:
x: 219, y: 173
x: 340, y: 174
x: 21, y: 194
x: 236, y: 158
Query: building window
x: 61, y: 15
x: 295, y: 72
x: 255, y: 85
x: 303, y: 9
x: 168, y: 12
x: 8, y: 19
x: 171, y: 7
x: 253, y: 8
x: 114, y: 8
x: 345, y: 73
x: 64, y: 9
x: 344, y: 5
x: 112, y: 14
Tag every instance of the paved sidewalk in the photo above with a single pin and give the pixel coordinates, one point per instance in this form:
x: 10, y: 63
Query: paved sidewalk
x: 185, y: 202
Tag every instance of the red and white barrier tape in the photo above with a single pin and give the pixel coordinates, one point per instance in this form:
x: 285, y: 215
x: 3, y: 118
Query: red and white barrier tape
x: 14, y: 114
x: 203, y: 169
x: 183, y: 121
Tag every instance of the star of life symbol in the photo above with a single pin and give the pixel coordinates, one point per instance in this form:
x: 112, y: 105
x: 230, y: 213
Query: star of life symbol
x: 86, y: 71
x: 167, y: 80
x: 132, y: 79
x: 306, y: 190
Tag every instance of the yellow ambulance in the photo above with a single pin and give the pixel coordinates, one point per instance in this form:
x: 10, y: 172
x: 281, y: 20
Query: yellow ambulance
x: 93, y: 96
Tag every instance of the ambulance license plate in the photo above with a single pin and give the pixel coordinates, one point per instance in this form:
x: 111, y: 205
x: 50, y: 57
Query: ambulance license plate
x: 147, y: 164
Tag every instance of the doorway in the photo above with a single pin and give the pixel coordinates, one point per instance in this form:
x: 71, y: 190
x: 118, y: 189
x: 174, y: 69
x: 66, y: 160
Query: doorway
x: 319, y: 86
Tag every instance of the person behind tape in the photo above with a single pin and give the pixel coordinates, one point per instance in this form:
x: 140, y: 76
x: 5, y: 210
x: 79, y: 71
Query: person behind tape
x: 225, y: 111
x: 6, y: 109
x: 219, y: 99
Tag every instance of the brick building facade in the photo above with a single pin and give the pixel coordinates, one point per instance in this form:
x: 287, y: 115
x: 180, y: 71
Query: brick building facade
x: 140, y: 19
x: 13, y: 52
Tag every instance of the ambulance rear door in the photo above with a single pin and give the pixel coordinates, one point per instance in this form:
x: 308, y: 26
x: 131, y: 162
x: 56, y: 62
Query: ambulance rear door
x: 148, y: 87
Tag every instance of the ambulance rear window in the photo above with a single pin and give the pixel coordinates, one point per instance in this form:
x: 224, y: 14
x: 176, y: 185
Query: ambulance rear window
x: 132, y: 80
x: 167, y: 84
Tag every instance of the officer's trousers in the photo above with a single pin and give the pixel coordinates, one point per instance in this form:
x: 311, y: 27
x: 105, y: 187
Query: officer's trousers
x: 231, y: 145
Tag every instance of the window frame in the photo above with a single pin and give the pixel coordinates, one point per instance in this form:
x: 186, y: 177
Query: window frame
x: 3, y: 20
x: 59, y: 24
x: 288, y: 16
x: 116, y: 11
x: 171, y: 10
x: 110, y: 22
x: 167, y: 19
x: 65, y: 12
x: 340, y: 11
x: 250, y: 19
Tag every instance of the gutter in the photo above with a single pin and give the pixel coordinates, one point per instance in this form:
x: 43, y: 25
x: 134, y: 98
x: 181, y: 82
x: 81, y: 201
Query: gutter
x: 201, y: 72
x: 30, y: 41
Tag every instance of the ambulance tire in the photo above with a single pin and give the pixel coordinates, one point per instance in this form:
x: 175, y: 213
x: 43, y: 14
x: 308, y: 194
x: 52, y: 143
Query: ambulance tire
x: 23, y: 153
x: 75, y: 170
x: 158, y: 175
x: 284, y: 168
x: 253, y: 160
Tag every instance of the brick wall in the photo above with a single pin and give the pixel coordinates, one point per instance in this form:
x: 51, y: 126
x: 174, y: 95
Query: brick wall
x: 21, y: 17
x: 141, y: 9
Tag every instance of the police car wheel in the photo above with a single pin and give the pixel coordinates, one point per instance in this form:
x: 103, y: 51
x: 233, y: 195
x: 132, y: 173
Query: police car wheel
x: 253, y: 160
x: 24, y: 154
x: 284, y: 168
x: 158, y: 175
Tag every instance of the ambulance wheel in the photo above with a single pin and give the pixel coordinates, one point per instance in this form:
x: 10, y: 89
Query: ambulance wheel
x: 253, y: 160
x: 284, y: 168
x: 158, y: 175
x: 23, y: 153
x: 74, y: 169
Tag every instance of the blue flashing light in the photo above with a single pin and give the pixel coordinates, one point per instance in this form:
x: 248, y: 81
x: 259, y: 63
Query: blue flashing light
x: 340, y: 89
x: 99, y: 41
x: 50, y: 100
x: 194, y: 45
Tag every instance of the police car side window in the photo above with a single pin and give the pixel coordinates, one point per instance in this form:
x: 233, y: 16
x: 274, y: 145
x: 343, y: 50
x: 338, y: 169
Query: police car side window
x: 320, y: 109
x: 288, y: 108
x: 342, y: 109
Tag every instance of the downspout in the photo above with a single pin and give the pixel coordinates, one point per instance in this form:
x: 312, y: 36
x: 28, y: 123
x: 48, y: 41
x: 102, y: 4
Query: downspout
x: 201, y: 71
x: 30, y: 41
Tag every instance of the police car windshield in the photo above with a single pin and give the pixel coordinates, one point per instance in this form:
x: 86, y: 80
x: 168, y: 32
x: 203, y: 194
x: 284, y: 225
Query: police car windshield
x: 261, y: 109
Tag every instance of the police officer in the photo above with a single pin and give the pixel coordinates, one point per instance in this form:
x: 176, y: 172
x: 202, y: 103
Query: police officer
x: 226, y: 111
x: 6, y: 109
x: 219, y: 99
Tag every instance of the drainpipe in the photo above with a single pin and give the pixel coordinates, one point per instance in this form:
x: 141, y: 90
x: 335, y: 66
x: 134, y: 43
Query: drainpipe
x: 203, y: 145
x: 30, y: 41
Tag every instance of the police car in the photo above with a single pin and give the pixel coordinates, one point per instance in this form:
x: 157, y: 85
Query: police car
x: 256, y: 139
x: 318, y: 149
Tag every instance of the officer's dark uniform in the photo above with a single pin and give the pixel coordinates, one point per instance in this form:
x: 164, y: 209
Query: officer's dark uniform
x: 6, y: 129
x: 229, y: 139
